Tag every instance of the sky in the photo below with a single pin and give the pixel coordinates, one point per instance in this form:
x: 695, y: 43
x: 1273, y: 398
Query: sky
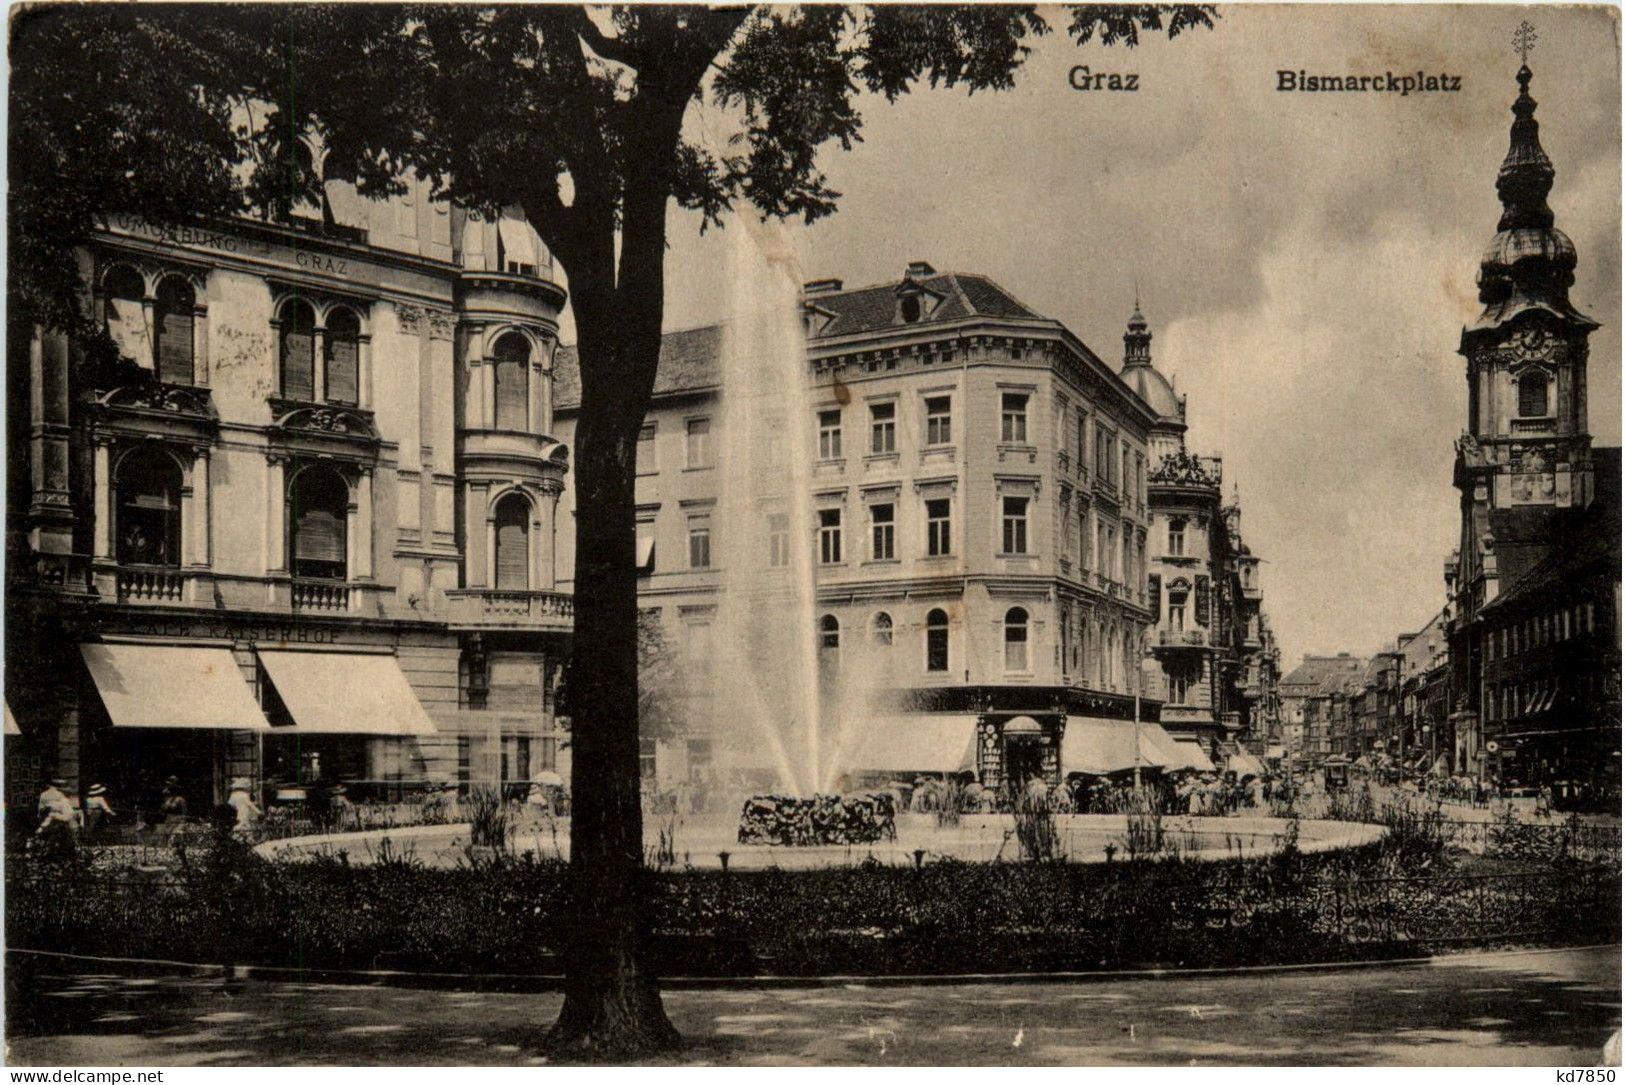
x: 1306, y: 261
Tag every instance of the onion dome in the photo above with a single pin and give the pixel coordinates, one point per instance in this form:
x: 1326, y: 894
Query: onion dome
x: 1530, y: 263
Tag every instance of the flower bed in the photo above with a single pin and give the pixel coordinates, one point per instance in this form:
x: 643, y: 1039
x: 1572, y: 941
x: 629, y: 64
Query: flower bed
x: 223, y: 903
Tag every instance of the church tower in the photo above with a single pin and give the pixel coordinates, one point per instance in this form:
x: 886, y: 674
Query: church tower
x: 1526, y: 452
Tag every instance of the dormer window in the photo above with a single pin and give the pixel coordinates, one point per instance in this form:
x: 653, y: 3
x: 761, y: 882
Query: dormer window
x: 911, y: 309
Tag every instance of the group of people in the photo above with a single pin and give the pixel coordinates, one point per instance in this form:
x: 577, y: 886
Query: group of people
x: 62, y: 823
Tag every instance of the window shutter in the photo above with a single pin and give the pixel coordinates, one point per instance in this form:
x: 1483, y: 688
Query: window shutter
x: 1155, y: 589
x: 127, y: 324
x: 175, y: 347
x: 513, y: 557
x: 511, y: 395
x: 298, y: 363
x: 341, y: 370
x: 320, y: 537
x: 1202, y: 592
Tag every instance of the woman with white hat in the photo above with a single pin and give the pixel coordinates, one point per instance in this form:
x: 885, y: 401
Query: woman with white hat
x: 97, y: 811
x: 247, y: 813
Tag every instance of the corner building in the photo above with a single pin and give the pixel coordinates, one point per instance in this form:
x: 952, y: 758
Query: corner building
x: 979, y: 527
x: 298, y: 522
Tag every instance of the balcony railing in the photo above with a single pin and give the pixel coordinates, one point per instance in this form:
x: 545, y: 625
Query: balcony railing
x: 150, y: 584
x: 545, y: 608
x: 321, y: 595
x: 1182, y: 638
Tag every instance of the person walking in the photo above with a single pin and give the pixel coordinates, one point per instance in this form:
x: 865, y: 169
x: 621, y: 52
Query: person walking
x: 98, y: 812
x: 59, y: 821
x: 246, y: 814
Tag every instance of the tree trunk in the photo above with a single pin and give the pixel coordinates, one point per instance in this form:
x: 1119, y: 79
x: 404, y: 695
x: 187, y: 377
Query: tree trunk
x: 612, y: 1007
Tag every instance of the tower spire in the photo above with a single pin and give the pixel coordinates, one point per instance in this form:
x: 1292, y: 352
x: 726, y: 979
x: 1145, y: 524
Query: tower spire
x: 1137, y: 340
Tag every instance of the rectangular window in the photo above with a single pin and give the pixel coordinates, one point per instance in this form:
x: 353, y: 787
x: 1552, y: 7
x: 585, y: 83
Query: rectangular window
x: 938, y: 524
x: 646, y: 450
x: 778, y: 540
x: 882, y: 428
x: 1179, y: 688
x: 1084, y: 550
x: 1100, y: 453
x: 939, y: 421
x: 1109, y: 558
x: 1176, y: 616
x: 1083, y: 440
x: 1176, y: 538
x: 646, y: 546
x: 699, y: 442
x: 699, y: 544
x: 883, y: 532
x: 1015, y: 525
x: 1013, y: 430
x: 829, y: 435
x: 829, y: 536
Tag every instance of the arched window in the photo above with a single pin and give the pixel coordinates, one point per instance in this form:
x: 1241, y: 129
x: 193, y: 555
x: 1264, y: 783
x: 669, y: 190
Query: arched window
x: 342, y: 363
x: 148, y: 499
x: 319, y: 502
x: 1178, y: 595
x: 512, y: 371
x: 936, y: 641
x: 298, y: 351
x: 1532, y: 400
x: 513, y: 543
x: 173, y: 319
x: 829, y: 633
x: 126, y: 315
x: 1015, y: 639
x: 880, y: 629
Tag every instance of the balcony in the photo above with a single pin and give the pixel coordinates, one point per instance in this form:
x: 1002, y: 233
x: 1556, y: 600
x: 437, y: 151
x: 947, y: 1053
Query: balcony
x: 489, y: 607
x: 1181, y: 638
x: 68, y: 574
x: 149, y: 584
x: 321, y: 596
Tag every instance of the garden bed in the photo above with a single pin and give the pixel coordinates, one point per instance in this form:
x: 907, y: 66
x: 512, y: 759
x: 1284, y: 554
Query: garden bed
x: 222, y: 903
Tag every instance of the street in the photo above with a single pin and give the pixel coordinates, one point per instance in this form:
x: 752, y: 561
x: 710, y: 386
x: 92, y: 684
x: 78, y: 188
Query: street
x: 1524, y: 1008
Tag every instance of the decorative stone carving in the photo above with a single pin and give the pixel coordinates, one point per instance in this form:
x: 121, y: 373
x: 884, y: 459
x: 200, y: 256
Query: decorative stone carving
x: 442, y: 324
x: 158, y: 396
x: 410, y: 318
x: 1182, y: 468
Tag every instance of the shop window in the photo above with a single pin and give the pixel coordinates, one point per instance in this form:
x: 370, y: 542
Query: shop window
x: 1015, y: 639
x: 513, y: 543
x: 343, y: 351
x: 148, y: 498
x: 936, y: 641
x: 297, y: 349
x: 511, y: 365
x: 1532, y: 395
x: 319, y: 499
x: 126, y: 315
x: 173, y: 318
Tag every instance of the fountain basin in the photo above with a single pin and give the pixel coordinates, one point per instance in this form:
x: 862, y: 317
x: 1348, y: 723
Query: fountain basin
x: 700, y: 841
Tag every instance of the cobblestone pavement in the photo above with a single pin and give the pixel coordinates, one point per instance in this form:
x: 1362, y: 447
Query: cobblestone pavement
x: 1537, y: 1008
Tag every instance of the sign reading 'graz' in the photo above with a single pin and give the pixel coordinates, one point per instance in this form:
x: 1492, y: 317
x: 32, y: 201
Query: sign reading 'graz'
x: 170, y: 235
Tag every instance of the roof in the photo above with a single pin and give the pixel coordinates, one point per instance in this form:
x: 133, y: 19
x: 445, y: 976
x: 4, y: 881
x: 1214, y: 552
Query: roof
x: 1154, y: 388
x: 875, y: 308
x: 690, y: 360
x: 1326, y: 674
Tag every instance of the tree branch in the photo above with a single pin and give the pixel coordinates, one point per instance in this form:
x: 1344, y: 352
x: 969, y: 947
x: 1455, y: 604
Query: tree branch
x: 616, y: 50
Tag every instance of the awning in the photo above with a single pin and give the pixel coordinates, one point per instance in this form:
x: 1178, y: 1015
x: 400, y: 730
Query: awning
x: 1099, y: 747
x: 1189, y: 755
x: 1243, y: 763
x: 906, y: 745
x: 518, y: 242
x: 162, y: 685
x: 343, y: 693
x: 1275, y: 753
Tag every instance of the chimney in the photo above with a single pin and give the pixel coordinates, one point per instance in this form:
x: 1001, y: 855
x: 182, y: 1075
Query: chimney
x: 821, y: 286
x: 919, y: 269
